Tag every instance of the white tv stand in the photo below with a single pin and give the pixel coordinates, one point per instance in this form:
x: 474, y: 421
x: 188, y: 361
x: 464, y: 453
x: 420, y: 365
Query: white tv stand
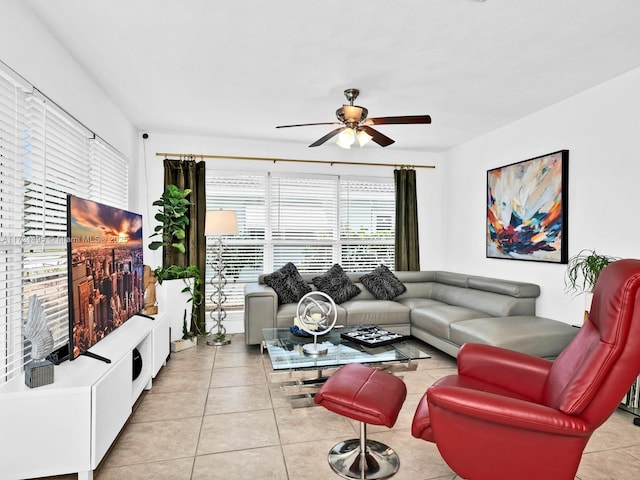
x: 69, y: 425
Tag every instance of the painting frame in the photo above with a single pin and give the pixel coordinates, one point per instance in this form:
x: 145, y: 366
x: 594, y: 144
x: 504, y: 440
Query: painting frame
x: 527, y: 209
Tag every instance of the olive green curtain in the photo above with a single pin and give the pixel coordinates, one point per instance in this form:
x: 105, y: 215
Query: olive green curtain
x: 407, y: 247
x: 190, y: 174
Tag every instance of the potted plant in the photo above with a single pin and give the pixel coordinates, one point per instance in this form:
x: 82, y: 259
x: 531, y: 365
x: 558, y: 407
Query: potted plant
x: 173, y: 220
x: 191, y: 288
x: 188, y: 339
x: 582, y: 273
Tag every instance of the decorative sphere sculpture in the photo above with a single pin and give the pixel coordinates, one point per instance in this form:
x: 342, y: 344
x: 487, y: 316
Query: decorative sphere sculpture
x: 316, y: 314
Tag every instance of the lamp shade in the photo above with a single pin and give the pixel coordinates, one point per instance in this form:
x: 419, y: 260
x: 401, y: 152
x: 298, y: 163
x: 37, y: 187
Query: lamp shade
x: 363, y: 137
x: 346, y: 138
x: 221, y: 222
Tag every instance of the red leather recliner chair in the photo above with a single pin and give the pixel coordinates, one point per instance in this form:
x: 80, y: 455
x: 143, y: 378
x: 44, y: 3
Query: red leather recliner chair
x: 508, y: 415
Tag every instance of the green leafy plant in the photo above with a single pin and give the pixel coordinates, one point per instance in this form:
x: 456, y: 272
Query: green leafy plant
x: 583, y: 270
x: 186, y: 333
x: 173, y: 219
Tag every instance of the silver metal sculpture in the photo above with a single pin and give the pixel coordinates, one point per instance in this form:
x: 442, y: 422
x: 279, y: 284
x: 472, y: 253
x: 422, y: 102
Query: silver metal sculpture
x: 218, y: 297
x: 37, y: 331
x: 39, y: 371
x: 316, y: 314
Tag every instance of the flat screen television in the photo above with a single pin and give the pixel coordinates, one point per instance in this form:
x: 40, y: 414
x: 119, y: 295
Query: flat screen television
x: 105, y: 271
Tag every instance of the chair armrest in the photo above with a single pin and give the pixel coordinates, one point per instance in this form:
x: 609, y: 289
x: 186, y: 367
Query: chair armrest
x: 504, y: 411
x: 260, y: 310
x: 520, y: 373
x: 259, y: 289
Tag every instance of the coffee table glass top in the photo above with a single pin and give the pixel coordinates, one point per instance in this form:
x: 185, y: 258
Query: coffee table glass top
x: 285, y: 350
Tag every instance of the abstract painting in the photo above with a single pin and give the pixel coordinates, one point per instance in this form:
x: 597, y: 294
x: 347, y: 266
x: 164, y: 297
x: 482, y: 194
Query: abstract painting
x: 527, y: 209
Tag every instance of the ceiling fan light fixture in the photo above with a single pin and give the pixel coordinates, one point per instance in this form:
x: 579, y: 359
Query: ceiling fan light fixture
x: 363, y: 137
x: 346, y: 138
x: 353, y: 123
x: 352, y: 113
x: 341, y: 144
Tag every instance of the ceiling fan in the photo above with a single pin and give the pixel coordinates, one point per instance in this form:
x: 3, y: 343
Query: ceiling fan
x: 354, y: 124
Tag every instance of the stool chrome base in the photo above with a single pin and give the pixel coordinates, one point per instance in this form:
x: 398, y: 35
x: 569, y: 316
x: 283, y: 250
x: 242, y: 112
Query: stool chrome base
x: 379, y: 461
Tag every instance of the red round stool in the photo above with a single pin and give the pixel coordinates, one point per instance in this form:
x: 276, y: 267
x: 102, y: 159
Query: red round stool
x: 372, y: 397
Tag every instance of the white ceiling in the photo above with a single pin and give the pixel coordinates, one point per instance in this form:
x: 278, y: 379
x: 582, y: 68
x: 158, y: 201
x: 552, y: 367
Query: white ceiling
x: 238, y: 68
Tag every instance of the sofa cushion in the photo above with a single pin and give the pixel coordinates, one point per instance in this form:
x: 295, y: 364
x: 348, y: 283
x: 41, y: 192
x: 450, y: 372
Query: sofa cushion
x: 537, y: 336
x: 378, y: 312
x: 417, y: 302
x: 505, y: 287
x: 288, y: 284
x: 286, y: 313
x: 437, y: 318
x: 364, y: 293
x: 336, y: 284
x: 492, y: 304
x: 383, y: 284
x: 451, y: 278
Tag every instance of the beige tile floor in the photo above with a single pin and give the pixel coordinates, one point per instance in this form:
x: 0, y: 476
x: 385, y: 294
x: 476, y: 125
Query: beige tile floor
x: 212, y: 414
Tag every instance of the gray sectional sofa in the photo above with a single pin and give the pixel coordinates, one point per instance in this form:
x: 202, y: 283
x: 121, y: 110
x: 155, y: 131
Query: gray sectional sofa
x: 443, y: 309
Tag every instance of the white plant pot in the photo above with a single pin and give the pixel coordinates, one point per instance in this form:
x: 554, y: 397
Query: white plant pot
x: 174, y: 302
x: 183, y: 344
x: 588, y: 298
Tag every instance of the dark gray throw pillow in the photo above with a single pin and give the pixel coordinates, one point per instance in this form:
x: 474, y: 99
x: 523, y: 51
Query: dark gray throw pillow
x: 336, y: 284
x: 288, y: 284
x: 383, y: 284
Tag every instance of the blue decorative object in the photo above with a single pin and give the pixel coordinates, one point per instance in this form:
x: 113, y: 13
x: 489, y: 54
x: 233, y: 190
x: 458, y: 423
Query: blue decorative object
x: 298, y: 332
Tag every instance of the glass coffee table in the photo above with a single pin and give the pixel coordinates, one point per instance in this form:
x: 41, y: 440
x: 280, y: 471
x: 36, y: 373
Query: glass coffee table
x: 301, y: 374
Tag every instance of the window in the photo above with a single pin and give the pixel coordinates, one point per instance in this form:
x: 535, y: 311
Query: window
x: 44, y: 155
x: 313, y: 221
x: 367, y: 223
x: 245, y: 253
x: 303, y: 222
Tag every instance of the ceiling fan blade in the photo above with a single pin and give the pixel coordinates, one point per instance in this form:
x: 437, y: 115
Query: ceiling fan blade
x: 332, y: 133
x: 308, y: 124
x: 378, y: 137
x: 407, y: 119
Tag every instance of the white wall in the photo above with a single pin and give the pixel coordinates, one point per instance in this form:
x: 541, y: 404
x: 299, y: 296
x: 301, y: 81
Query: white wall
x: 29, y: 49
x: 430, y: 181
x: 599, y: 127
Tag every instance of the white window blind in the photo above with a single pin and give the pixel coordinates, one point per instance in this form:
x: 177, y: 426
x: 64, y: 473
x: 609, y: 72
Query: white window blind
x: 12, y: 125
x: 108, y: 173
x: 246, y: 252
x: 304, y: 219
x: 313, y: 221
x: 367, y: 223
x: 45, y: 154
x: 55, y: 164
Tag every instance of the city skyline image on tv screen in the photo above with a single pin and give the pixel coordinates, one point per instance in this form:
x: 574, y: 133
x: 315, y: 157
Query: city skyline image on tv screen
x: 105, y: 270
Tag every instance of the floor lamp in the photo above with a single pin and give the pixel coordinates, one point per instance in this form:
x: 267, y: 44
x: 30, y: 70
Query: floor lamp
x: 218, y: 223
